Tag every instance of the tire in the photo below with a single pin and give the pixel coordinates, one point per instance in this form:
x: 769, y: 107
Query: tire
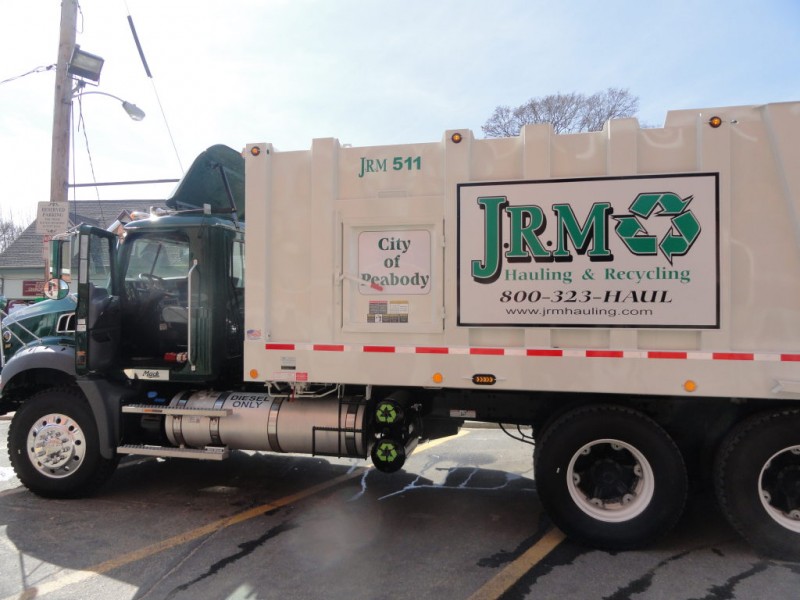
x: 757, y: 481
x: 54, y: 446
x: 610, y: 477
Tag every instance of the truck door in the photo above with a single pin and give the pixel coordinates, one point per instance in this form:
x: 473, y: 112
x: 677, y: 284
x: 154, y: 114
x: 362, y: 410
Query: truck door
x: 97, y: 333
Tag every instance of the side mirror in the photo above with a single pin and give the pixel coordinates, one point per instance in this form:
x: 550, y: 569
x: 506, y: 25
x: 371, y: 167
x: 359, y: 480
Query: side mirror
x: 56, y: 289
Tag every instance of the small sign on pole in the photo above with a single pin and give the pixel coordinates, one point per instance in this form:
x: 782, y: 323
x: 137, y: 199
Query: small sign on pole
x: 52, y: 218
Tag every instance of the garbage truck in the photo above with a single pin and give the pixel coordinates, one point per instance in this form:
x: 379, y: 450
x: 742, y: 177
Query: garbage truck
x: 629, y: 296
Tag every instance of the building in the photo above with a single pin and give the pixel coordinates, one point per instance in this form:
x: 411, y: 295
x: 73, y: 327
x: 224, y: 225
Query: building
x: 22, y: 265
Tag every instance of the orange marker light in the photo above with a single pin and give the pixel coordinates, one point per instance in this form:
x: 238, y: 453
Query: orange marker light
x: 715, y: 122
x: 456, y: 138
x: 253, y: 374
x: 255, y: 150
x: 437, y: 378
x: 689, y: 385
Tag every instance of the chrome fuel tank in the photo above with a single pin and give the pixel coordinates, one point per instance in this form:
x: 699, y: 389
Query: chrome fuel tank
x: 250, y: 421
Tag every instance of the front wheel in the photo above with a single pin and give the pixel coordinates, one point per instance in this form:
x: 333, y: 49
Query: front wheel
x: 610, y: 477
x: 757, y: 480
x: 54, y: 446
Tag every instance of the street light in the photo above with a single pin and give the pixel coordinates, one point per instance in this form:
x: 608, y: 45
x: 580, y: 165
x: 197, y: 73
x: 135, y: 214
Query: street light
x: 85, y: 65
x: 78, y: 65
x: 134, y: 112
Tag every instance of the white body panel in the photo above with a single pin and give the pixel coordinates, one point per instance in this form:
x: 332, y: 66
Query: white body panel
x: 359, y: 260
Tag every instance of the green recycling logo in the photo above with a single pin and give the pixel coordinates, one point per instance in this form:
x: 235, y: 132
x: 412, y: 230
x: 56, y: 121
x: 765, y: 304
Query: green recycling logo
x: 386, y: 413
x: 387, y: 452
x: 677, y: 241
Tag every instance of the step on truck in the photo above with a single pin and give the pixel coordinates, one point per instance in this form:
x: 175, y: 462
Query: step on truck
x: 630, y: 295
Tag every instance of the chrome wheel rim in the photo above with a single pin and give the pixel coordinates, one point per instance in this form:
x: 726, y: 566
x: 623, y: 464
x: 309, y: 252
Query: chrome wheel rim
x: 56, y: 445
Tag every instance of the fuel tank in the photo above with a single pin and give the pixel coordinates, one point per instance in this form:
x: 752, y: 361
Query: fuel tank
x: 326, y: 426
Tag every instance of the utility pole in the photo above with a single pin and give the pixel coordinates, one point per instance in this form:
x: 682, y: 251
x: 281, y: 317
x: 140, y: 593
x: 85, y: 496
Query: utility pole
x: 59, y: 163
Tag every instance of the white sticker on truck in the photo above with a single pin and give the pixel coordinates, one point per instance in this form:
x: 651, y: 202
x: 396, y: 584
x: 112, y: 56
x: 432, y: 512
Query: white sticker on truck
x: 151, y: 374
x: 395, y: 262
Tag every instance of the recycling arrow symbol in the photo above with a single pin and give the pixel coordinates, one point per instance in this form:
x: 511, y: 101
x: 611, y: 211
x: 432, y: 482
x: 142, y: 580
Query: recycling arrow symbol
x: 676, y: 242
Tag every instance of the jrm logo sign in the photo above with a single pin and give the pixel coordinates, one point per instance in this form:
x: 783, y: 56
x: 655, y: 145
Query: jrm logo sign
x: 579, y: 252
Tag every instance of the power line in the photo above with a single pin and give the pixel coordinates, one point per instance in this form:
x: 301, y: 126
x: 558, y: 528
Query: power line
x: 153, y: 82
x: 32, y: 71
x: 82, y: 126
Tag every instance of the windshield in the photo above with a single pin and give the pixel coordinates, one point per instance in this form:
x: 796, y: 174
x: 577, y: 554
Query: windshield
x: 163, y: 258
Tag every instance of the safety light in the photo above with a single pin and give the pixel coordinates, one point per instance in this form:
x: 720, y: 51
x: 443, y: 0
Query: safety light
x: 85, y: 65
x: 255, y: 150
x: 715, y: 122
x: 253, y: 374
x: 437, y: 378
x: 456, y: 138
x: 689, y: 385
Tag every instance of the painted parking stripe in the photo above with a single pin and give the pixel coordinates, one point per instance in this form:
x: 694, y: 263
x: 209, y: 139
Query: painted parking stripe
x: 213, y: 527
x: 503, y: 581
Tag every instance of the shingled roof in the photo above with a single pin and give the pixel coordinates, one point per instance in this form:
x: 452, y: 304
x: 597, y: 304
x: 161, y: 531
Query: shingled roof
x: 26, y: 250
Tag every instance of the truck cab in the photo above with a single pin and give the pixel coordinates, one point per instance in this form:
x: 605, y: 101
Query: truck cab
x: 165, y: 303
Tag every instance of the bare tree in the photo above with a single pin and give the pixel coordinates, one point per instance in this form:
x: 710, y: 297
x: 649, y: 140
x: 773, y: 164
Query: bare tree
x: 9, y: 231
x: 568, y: 113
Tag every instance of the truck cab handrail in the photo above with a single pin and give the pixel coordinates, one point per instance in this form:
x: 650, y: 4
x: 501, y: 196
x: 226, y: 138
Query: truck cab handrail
x: 189, y: 311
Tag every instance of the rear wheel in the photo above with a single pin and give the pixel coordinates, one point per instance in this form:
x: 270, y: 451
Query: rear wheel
x: 54, y: 447
x: 757, y: 480
x: 610, y: 477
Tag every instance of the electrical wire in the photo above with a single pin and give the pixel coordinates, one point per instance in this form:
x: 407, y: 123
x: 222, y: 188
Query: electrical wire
x: 166, y: 123
x: 31, y: 72
x: 153, y: 83
x: 81, y: 125
x: 522, y: 437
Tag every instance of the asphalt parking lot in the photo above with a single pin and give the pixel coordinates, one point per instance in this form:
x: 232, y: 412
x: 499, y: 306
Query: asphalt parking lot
x: 461, y: 520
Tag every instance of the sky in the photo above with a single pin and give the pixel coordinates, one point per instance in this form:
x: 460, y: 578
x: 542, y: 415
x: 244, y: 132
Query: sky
x: 365, y: 72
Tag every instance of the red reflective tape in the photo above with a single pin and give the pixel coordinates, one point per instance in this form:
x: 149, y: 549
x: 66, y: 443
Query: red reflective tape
x: 540, y: 352
x: 329, y: 347
x: 604, y: 354
x: 732, y: 356
x: 673, y: 355
x: 488, y: 351
x: 545, y: 352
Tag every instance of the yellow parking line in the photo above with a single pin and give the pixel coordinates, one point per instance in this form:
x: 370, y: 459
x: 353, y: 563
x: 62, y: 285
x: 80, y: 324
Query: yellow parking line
x: 188, y: 536
x: 213, y: 527
x: 502, y: 582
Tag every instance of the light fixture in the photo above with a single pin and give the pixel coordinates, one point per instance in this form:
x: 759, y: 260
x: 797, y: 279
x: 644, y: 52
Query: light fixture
x: 134, y: 112
x: 85, y: 65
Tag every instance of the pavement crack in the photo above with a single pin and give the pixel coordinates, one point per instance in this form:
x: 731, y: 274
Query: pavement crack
x: 643, y: 583
x: 245, y: 549
x: 725, y: 591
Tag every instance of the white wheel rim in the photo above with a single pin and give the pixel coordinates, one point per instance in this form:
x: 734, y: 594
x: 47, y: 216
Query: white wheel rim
x: 56, y: 446
x: 790, y: 520
x: 626, y: 506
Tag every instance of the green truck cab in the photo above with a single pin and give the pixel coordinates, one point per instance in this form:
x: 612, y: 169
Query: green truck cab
x: 149, y: 306
x: 45, y: 323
